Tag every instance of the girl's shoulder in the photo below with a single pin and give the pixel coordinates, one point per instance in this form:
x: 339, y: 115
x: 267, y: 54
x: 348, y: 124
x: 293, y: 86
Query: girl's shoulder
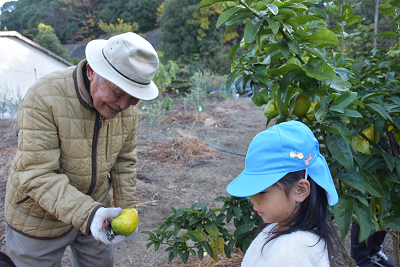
x: 299, y: 248
x: 302, y: 241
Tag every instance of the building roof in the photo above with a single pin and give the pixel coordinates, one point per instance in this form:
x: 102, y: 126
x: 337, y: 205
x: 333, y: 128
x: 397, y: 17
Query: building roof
x: 32, y: 43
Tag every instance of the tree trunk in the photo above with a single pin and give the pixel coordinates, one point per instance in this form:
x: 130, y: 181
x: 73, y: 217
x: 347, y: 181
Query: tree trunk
x: 376, y: 24
x: 347, y: 260
x: 396, y: 253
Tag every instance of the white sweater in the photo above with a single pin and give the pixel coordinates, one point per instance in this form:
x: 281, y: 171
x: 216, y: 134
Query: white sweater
x: 296, y: 249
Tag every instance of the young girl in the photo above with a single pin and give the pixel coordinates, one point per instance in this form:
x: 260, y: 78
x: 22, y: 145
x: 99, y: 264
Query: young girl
x: 290, y: 186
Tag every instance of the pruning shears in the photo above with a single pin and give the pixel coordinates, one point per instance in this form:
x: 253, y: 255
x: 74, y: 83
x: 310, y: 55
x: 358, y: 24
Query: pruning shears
x: 108, y: 230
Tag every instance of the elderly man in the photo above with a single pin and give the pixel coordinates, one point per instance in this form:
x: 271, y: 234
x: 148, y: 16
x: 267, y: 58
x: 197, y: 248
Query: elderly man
x: 77, y: 140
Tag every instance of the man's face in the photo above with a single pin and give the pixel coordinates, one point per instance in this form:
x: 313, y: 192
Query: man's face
x: 108, y: 99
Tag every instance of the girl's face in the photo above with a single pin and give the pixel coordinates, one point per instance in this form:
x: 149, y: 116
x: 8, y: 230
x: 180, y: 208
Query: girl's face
x: 273, y: 205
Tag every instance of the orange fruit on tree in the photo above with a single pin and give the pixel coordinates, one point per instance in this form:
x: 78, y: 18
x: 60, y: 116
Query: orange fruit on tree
x: 299, y: 104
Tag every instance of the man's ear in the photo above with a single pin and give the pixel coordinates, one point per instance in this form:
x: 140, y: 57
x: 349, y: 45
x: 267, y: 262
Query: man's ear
x: 89, y: 72
x: 302, y: 190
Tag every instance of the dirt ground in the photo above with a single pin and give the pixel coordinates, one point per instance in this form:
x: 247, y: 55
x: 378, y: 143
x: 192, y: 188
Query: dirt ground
x: 165, y: 180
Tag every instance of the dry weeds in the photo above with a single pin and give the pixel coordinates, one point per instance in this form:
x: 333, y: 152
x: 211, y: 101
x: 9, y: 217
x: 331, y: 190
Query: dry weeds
x: 234, y: 261
x: 182, y: 148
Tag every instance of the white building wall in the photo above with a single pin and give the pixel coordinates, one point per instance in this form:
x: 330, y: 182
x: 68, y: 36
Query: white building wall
x: 22, y: 64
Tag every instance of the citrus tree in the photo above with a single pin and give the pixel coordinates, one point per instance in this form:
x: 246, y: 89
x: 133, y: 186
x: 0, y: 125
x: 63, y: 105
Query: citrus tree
x: 300, y: 70
x: 300, y: 66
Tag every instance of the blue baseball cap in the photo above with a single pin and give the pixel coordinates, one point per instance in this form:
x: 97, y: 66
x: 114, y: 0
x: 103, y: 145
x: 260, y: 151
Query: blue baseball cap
x: 286, y: 147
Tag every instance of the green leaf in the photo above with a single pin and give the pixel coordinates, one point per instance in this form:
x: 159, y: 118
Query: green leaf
x: 389, y: 159
x: 344, y: 131
x: 206, y: 3
x: 242, y: 229
x: 322, y: 36
x: 284, y: 48
x: 318, y: 12
x: 227, y: 14
x: 251, y: 29
x: 360, y: 197
x: 344, y: 73
x: 317, y: 68
x: 273, y: 8
x: 380, y: 110
x: 284, y: 84
x: 345, y: 99
x: 184, y: 256
x: 171, y: 256
x: 371, y: 184
x: 212, y: 230
x: 238, y: 212
x: 294, y: 62
x: 384, y: 34
x: 395, y: 21
x: 340, y: 85
x: 236, y: 18
x: 175, y: 249
x: 336, y: 108
x: 392, y: 222
x: 361, y: 158
x: 385, y: 201
x: 314, y: 52
x: 274, y: 26
x: 352, y: 113
x: 343, y: 212
x: 288, y: 13
x: 354, y: 20
x: 303, y: 19
x: 395, y: 3
x: 340, y: 150
x: 295, y: 47
x: 329, y: 129
x: 199, y: 236
x: 350, y: 180
x: 320, y: 114
x: 393, y: 178
x: 387, y: 9
x: 232, y: 52
x: 231, y: 78
x: 200, y: 254
x: 363, y: 215
x: 208, y: 248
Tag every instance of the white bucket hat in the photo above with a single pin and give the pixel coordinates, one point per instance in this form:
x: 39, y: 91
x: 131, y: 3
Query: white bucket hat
x: 128, y: 61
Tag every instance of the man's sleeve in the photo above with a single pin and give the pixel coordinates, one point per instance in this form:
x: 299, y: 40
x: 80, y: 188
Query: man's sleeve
x: 123, y: 174
x: 39, y: 162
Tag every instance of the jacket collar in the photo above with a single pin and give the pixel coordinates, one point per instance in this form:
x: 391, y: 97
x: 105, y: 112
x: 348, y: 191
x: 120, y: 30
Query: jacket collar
x: 80, y: 87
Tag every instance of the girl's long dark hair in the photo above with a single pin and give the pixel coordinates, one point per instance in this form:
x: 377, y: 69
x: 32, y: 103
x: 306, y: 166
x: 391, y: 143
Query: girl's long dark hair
x: 312, y: 215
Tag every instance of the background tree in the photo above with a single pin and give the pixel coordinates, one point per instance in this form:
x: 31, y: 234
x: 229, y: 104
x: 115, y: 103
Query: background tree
x: 83, y: 13
x: 144, y: 12
x: 180, y: 38
x: 48, y: 39
x: 121, y: 27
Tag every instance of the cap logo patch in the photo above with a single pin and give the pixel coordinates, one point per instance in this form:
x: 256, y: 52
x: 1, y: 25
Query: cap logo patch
x: 308, y: 159
x: 296, y: 155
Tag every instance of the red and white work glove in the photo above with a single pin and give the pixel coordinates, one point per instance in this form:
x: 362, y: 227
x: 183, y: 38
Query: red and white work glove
x: 132, y: 235
x: 96, y: 228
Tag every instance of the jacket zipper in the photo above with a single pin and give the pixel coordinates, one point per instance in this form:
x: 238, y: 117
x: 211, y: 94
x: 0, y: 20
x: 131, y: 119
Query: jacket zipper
x: 97, y: 127
x: 108, y: 145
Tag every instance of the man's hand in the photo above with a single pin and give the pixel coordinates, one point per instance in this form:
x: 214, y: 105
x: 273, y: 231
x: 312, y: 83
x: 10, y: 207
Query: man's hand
x: 96, y: 228
x: 131, y: 236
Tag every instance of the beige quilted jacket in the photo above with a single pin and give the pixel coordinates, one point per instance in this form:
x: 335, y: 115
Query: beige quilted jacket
x: 68, y: 158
